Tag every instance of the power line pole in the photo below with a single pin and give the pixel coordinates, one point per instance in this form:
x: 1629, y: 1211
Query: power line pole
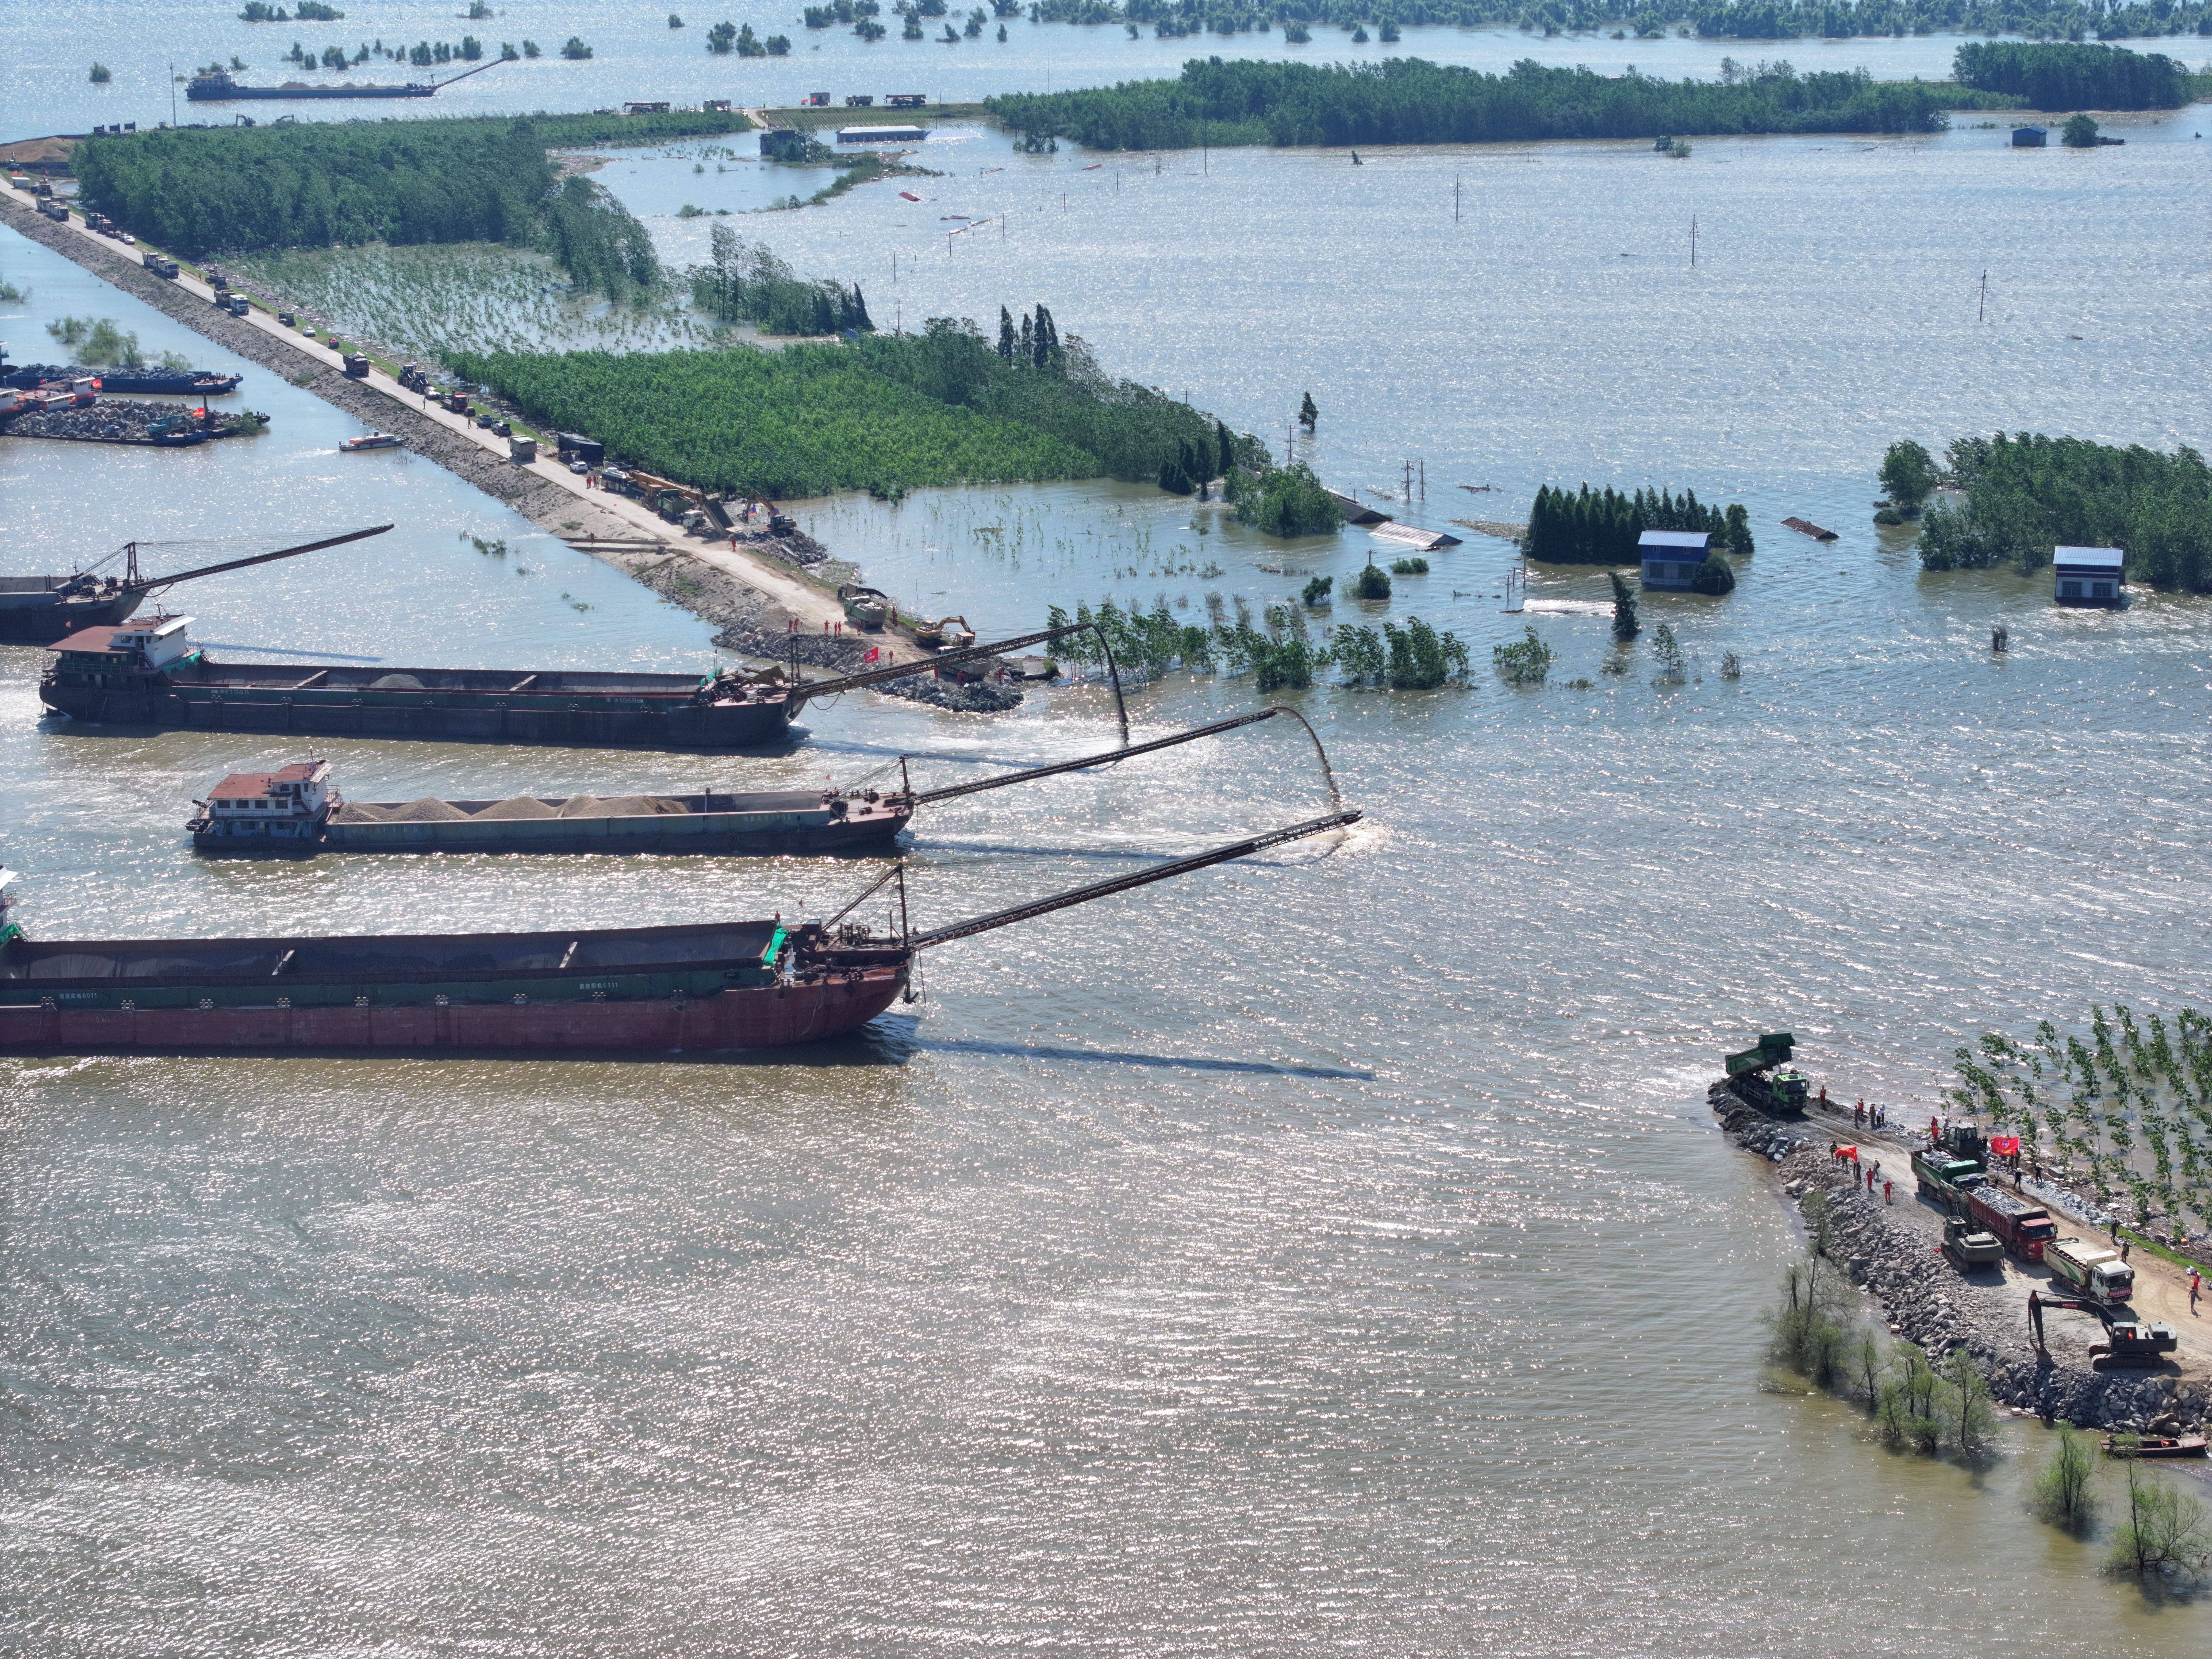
x: 1981, y: 310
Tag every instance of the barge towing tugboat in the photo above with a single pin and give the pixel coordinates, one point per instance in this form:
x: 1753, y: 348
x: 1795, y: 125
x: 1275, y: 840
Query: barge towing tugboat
x: 703, y: 986
x: 150, y: 673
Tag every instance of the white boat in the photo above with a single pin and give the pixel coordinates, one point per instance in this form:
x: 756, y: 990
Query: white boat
x: 373, y: 441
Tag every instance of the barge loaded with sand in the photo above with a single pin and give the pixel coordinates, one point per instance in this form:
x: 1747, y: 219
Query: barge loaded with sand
x: 297, y: 811
x: 706, y: 986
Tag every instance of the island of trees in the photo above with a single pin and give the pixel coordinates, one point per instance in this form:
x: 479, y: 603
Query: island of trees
x: 1601, y: 526
x: 2018, y: 497
x: 1409, y: 100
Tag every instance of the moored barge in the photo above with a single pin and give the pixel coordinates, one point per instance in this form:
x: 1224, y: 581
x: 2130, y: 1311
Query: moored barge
x: 696, y: 986
x: 150, y: 673
x: 295, y: 810
x: 38, y: 609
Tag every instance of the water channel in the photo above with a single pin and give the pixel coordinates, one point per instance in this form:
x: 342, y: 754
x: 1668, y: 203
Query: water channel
x: 1333, y: 1250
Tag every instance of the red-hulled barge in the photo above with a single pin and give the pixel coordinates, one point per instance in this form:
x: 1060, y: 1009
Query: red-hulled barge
x: 701, y: 987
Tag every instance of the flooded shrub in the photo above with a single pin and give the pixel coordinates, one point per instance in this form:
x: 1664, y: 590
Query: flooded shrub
x: 1372, y: 582
x: 1409, y: 567
x: 1527, y: 661
x: 2062, y: 1494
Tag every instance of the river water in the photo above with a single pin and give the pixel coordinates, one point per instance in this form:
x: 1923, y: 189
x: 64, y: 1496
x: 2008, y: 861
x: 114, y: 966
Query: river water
x: 1329, y: 1251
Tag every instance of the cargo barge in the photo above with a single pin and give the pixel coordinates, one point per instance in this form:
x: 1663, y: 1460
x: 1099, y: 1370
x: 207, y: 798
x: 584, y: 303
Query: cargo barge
x: 217, y: 88
x: 699, y: 987
x: 39, y: 610
x: 141, y: 382
x: 297, y: 811
x: 148, y: 672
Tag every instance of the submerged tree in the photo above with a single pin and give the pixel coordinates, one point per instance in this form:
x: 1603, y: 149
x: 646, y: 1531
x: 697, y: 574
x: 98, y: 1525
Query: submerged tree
x: 1624, y: 625
x: 1308, y: 413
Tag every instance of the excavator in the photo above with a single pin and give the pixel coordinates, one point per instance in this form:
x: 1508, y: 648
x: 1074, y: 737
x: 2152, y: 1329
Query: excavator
x: 2128, y: 1343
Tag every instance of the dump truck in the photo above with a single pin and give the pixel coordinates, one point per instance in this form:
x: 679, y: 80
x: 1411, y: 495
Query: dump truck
x: 1781, y: 1094
x: 2026, y: 1228
x: 1946, y: 1179
x: 2091, y: 1270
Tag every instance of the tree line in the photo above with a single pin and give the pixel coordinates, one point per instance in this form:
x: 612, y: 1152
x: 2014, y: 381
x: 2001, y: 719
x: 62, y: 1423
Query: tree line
x: 202, y: 190
x: 1750, y: 20
x: 2019, y: 497
x: 1281, y: 653
x: 1412, y: 101
x: 2073, y: 76
x: 744, y: 281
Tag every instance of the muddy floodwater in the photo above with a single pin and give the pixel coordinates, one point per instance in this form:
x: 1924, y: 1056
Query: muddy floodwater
x: 1332, y: 1251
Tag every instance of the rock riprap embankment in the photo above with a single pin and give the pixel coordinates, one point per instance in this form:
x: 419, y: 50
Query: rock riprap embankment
x: 1891, y: 1252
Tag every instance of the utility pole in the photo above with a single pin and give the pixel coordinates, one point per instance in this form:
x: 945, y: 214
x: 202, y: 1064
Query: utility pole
x: 1981, y: 310
x: 172, y: 95
x: 1425, y: 477
x: 1408, y: 496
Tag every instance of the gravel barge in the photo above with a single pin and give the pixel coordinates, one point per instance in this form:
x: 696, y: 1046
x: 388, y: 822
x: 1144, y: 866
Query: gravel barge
x: 127, y: 421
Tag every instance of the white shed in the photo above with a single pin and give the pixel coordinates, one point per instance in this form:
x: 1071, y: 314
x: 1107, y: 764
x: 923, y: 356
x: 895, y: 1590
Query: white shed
x: 2087, y: 575
x: 1671, y: 558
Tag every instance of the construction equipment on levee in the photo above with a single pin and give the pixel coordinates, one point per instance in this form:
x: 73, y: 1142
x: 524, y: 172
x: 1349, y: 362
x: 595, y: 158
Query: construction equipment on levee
x: 1781, y: 1094
x: 2128, y: 1343
x: 1968, y: 1247
x: 39, y: 610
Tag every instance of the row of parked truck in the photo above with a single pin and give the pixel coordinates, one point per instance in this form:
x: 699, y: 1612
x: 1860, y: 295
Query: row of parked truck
x: 1987, y: 1222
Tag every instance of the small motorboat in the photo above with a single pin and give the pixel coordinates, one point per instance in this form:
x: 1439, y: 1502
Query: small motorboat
x: 865, y: 607
x: 946, y: 633
x: 908, y: 196
x: 371, y: 441
x: 2156, y: 1445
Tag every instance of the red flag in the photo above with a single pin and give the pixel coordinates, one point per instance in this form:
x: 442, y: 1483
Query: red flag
x: 2008, y: 1146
